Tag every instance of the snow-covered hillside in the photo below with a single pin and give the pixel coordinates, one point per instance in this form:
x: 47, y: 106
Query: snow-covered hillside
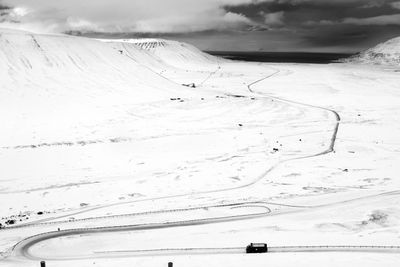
x: 173, y: 53
x: 384, y: 53
x: 59, y: 82
x: 45, y: 62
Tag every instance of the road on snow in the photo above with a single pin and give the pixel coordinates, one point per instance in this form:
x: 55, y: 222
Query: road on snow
x: 22, y: 249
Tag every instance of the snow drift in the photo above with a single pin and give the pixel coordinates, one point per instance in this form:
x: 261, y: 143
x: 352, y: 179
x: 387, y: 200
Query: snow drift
x: 384, y: 53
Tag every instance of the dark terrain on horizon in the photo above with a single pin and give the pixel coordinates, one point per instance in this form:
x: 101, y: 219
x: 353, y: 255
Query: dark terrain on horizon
x: 282, y: 57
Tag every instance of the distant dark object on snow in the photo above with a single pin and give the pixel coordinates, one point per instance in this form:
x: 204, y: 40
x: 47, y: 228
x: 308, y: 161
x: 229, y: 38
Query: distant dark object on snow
x: 237, y: 96
x: 257, y: 248
x: 10, y: 222
x: 192, y: 85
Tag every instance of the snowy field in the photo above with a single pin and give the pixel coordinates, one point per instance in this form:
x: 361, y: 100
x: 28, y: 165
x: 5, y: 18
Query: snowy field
x: 108, y: 157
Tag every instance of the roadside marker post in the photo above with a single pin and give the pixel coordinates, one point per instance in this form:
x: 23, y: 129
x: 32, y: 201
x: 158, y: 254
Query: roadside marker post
x: 170, y: 264
x: 42, y: 264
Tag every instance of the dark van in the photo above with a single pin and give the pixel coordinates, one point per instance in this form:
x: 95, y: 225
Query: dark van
x: 257, y: 248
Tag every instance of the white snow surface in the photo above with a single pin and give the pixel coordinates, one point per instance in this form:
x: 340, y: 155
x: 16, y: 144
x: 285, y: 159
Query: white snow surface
x: 387, y: 53
x: 173, y: 53
x: 98, y: 136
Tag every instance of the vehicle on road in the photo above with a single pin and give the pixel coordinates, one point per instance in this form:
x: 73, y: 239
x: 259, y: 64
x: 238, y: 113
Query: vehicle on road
x: 257, y: 248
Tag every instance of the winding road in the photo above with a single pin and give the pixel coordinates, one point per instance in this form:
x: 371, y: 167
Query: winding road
x: 23, y: 248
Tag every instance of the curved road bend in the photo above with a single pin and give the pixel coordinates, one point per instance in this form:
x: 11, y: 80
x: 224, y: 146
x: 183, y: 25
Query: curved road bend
x: 336, y: 114
x: 22, y: 248
x: 254, y: 181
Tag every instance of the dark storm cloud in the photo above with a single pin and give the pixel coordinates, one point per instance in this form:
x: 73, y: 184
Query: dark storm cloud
x: 3, y: 8
x: 127, y: 15
x: 5, y: 14
x: 316, y: 25
x: 298, y: 12
x: 351, y: 25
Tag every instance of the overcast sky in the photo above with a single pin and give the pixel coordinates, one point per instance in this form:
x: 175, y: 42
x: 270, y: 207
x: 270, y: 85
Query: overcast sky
x: 265, y: 25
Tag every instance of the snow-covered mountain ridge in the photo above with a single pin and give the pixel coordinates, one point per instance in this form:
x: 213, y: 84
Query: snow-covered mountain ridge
x: 172, y: 53
x: 384, y: 53
x: 55, y: 83
x: 60, y: 64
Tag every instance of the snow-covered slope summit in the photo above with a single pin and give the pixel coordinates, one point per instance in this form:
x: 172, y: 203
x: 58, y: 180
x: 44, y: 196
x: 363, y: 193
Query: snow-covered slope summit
x: 173, y: 53
x: 59, y: 64
x: 54, y: 84
x: 384, y: 53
